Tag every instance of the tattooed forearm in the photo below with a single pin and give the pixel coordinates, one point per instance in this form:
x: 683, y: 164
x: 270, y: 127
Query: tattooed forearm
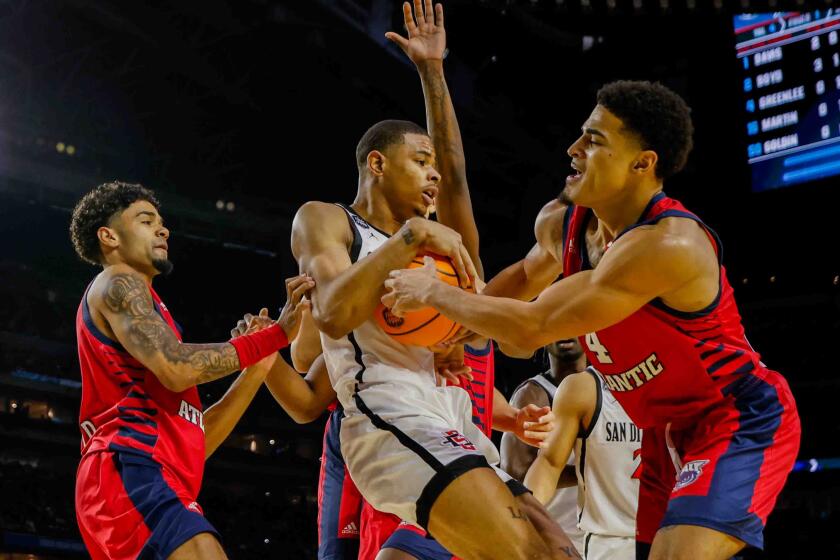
x: 442, y: 123
x: 517, y: 513
x: 146, y: 334
x: 408, y: 236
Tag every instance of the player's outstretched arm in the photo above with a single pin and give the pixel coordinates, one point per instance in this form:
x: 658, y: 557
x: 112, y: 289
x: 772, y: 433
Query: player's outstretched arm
x: 574, y: 403
x: 303, y: 398
x: 221, y: 418
x: 307, y: 345
x: 642, y: 266
x: 346, y: 293
x: 425, y: 46
x: 124, y: 300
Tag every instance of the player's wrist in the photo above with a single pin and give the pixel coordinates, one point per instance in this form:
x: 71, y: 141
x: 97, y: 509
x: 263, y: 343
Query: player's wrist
x: 414, y: 233
x: 252, y: 348
x: 429, y: 66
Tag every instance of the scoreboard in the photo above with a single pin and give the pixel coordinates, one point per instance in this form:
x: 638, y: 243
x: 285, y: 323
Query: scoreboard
x: 790, y: 64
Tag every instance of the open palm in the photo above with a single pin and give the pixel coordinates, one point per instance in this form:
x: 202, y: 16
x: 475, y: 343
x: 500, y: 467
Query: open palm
x: 426, y: 36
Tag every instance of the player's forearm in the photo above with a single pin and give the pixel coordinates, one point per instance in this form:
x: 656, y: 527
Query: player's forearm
x: 511, y: 282
x: 350, y: 299
x: 504, y: 415
x: 294, y: 394
x: 516, y: 456
x: 505, y: 320
x: 180, y: 366
x: 542, y: 478
x: 454, y: 207
x: 222, y: 417
x: 307, y: 346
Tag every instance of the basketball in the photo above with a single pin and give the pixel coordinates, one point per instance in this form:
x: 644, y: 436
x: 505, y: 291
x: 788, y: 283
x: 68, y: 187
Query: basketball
x: 424, y: 327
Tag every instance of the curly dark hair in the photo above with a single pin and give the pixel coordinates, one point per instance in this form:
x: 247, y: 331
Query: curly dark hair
x: 659, y: 117
x: 97, y: 208
x: 382, y: 135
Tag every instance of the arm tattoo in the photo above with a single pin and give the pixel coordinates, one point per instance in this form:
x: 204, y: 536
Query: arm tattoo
x: 443, y: 123
x: 408, y: 236
x: 517, y: 514
x: 129, y: 297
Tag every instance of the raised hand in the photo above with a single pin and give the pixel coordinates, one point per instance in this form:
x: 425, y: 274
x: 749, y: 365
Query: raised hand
x: 426, y: 34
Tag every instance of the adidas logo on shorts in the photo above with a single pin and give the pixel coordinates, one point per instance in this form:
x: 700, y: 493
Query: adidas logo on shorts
x: 350, y: 529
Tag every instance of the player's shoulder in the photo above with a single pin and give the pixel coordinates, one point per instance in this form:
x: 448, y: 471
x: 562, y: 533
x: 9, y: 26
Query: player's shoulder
x: 578, y: 390
x: 529, y: 392
x: 116, y: 284
x: 671, y: 239
x: 315, y: 210
x: 549, y: 222
x: 322, y: 219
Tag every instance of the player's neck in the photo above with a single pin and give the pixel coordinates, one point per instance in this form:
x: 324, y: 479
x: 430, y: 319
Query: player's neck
x: 375, y: 211
x: 561, y: 369
x: 114, y: 259
x: 623, y: 211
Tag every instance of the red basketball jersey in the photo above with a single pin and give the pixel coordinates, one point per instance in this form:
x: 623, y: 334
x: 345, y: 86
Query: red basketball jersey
x: 125, y: 409
x: 664, y: 365
x: 481, y: 387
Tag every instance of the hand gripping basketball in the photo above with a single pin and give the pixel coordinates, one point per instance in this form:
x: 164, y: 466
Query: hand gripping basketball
x: 404, y: 318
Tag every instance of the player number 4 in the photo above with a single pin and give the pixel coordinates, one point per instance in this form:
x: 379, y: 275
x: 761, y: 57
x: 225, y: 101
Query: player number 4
x: 598, y: 349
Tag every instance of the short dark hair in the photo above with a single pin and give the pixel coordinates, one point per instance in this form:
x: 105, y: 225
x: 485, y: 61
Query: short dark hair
x: 660, y: 118
x: 97, y: 208
x: 382, y: 135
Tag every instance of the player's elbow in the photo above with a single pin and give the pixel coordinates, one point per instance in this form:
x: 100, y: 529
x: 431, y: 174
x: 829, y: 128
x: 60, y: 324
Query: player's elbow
x: 305, y: 415
x: 332, y: 323
x: 174, y: 380
x: 524, y: 340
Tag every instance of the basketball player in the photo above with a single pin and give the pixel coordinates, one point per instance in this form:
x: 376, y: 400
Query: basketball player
x: 342, y: 514
x: 606, y: 449
x: 409, y: 445
x: 143, y: 431
x: 644, y: 286
x: 565, y: 357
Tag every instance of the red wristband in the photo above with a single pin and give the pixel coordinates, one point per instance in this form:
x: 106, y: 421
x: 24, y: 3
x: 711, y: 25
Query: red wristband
x: 251, y: 348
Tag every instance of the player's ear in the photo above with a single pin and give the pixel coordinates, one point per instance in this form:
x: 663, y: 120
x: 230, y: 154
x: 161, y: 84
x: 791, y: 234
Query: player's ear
x: 645, y: 162
x: 108, y: 237
x: 376, y: 163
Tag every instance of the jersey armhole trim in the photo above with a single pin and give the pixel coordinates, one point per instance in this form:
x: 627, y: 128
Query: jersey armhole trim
x: 356, y: 246
x: 599, y: 398
x: 93, y: 329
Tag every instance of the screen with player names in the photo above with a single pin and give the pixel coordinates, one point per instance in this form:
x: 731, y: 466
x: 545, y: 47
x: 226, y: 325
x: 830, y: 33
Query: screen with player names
x: 790, y: 64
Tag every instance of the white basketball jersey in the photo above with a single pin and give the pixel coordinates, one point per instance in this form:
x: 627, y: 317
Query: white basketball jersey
x: 565, y: 505
x: 384, y: 358
x: 608, y: 468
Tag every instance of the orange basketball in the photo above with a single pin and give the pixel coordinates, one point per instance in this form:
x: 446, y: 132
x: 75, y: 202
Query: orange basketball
x: 424, y: 327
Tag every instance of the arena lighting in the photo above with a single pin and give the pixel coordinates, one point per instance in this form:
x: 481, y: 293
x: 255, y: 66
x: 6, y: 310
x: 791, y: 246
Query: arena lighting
x: 230, y: 206
x: 59, y: 147
x: 220, y: 205
x: 271, y: 441
x: 266, y: 541
x: 71, y: 149
x: 815, y: 465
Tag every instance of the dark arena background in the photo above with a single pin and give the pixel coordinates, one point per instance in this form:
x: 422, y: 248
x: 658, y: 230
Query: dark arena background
x: 238, y: 112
